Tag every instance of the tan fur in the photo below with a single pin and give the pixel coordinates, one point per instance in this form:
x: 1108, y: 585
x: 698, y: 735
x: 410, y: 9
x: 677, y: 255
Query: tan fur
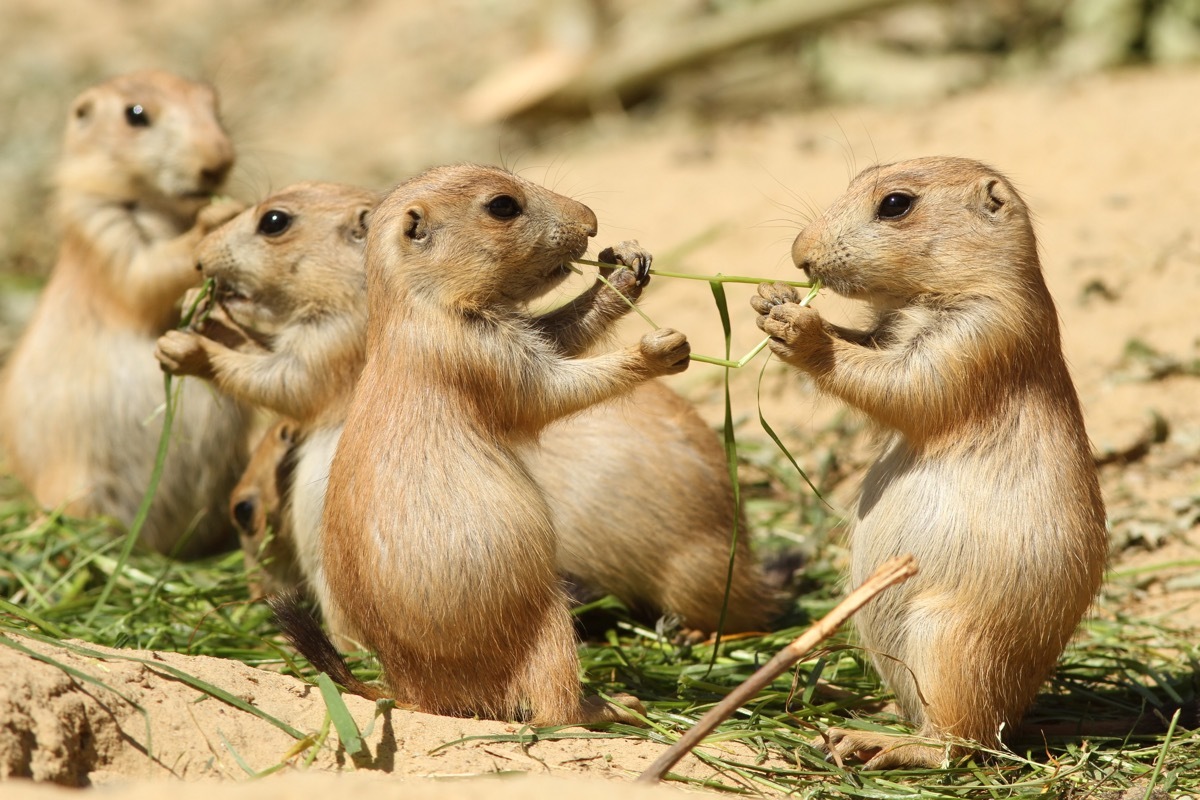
x: 986, y: 474
x: 256, y: 507
x: 438, y: 547
x: 300, y: 290
x: 648, y: 455
x: 80, y: 393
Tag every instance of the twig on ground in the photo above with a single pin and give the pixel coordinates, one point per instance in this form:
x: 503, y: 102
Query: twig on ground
x: 891, y: 572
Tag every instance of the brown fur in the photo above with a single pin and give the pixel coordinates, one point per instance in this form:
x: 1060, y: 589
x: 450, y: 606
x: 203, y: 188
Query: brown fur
x: 80, y: 393
x: 985, y: 475
x: 647, y: 454
x: 438, y: 545
x: 256, y: 507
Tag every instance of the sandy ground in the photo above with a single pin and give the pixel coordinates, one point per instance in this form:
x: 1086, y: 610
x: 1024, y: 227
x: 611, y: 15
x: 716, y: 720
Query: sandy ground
x: 1108, y: 163
x: 148, y: 724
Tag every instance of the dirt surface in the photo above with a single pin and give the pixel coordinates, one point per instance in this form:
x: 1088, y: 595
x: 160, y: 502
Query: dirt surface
x: 362, y: 92
x: 147, y: 723
x: 378, y: 787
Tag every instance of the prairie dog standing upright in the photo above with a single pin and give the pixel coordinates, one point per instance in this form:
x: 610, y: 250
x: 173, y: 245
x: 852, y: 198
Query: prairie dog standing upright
x: 438, y: 549
x: 79, y: 407
x: 647, y: 518
x: 986, y: 474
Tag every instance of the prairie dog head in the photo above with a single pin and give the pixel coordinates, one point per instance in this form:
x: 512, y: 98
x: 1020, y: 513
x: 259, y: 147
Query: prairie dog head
x: 296, y: 255
x: 929, y: 226
x: 256, y: 510
x: 468, y: 236
x: 148, y: 137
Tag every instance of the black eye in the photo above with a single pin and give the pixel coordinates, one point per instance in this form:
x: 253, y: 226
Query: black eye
x: 243, y: 515
x: 895, y: 205
x: 504, y: 207
x: 274, y: 222
x: 136, y: 116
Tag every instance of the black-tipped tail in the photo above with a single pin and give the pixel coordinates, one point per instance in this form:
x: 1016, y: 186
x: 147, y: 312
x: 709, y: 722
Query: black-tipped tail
x: 302, y: 628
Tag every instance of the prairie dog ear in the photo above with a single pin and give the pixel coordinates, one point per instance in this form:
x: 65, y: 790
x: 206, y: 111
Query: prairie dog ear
x: 83, y: 109
x: 416, y: 223
x: 355, y: 229
x: 993, y: 195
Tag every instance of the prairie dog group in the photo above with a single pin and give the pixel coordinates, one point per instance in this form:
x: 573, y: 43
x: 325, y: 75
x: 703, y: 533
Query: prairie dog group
x: 290, y: 269
x: 986, y: 472
x: 431, y: 518
x: 477, y: 458
x: 80, y: 405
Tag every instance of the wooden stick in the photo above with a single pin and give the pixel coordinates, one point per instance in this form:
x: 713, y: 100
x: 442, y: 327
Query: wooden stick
x: 891, y: 572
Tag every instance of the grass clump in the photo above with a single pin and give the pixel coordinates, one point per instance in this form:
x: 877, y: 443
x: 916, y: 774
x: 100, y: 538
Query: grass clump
x: 53, y: 569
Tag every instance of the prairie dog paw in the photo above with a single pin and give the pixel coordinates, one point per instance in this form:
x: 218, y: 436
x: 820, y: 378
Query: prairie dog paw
x: 596, y: 709
x: 884, y: 750
x: 666, y: 351
x: 183, y: 353
x: 630, y: 254
x: 625, y: 283
x: 791, y: 324
x: 773, y: 294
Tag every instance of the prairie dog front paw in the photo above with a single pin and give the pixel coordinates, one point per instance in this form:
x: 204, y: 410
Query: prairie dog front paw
x: 666, y: 351
x: 630, y: 254
x: 183, y: 353
x: 773, y: 294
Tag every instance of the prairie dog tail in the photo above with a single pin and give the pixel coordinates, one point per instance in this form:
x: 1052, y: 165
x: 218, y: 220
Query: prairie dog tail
x: 302, y: 628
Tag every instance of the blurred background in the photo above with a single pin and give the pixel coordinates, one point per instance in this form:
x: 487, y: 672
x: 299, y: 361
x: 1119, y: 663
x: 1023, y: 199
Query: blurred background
x: 369, y: 91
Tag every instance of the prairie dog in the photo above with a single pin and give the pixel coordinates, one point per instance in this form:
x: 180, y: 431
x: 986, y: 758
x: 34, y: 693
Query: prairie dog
x: 78, y: 409
x: 986, y: 472
x: 290, y: 271
x: 256, y: 507
x: 437, y: 548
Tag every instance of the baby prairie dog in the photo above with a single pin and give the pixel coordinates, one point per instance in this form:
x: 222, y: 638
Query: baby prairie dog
x: 256, y: 508
x: 438, y: 548
x: 81, y: 395
x: 637, y: 486
x: 986, y: 473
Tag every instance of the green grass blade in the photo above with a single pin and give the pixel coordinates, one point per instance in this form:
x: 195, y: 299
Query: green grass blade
x: 766, y: 426
x: 241, y: 762
x: 1162, y: 756
x: 343, y: 721
x: 731, y: 461
x: 160, y: 457
x: 139, y: 519
x: 32, y: 619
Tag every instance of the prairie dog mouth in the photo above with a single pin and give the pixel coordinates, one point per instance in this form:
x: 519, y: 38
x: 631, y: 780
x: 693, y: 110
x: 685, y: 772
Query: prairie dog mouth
x: 225, y: 292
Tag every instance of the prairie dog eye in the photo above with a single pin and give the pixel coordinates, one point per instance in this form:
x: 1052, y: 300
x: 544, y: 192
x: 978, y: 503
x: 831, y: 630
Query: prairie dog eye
x: 274, y: 222
x: 895, y: 205
x: 136, y: 116
x: 243, y: 515
x: 504, y: 207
